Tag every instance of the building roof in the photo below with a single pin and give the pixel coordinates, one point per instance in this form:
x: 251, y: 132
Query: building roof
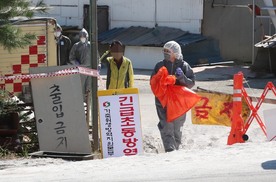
x: 143, y: 36
x: 196, y: 48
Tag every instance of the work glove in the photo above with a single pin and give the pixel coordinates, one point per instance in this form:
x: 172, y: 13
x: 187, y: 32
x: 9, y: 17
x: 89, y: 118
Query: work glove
x: 181, y: 77
x: 179, y: 73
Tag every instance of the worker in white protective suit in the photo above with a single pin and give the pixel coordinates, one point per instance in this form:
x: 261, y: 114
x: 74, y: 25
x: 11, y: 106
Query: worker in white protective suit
x: 80, y: 55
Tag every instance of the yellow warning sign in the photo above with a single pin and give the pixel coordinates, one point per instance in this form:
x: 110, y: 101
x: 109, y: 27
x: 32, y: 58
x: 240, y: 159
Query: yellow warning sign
x: 216, y: 109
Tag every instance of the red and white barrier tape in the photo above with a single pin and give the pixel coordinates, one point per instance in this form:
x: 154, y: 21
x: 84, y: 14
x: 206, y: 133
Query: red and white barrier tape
x: 70, y: 71
x: 88, y: 71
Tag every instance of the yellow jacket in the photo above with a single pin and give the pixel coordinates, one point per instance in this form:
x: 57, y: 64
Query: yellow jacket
x: 119, y: 78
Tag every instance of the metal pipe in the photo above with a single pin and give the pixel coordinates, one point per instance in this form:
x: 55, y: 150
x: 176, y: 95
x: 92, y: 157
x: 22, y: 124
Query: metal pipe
x: 273, y: 16
x: 268, y: 8
x: 155, y: 14
x: 231, y: 6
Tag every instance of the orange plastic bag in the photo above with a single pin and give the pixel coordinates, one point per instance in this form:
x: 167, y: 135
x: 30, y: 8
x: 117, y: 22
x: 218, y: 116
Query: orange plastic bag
x: 157, y: 85
x: 177, y: 99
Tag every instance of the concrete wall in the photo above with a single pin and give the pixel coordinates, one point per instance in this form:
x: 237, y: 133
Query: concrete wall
x: 232, y: 27
x: 143, y: 57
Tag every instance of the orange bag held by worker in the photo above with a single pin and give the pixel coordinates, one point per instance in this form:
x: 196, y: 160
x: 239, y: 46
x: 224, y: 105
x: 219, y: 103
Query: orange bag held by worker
x: 177, y: 99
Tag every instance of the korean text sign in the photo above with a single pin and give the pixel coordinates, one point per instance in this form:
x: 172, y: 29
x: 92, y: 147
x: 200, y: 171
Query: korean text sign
x: 120, y: 122
x: 216, y: 109
x: 59, y: 111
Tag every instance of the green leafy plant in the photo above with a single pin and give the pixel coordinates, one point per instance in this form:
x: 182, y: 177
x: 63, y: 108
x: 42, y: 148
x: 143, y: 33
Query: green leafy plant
x: 4, y: 152
x: 8, y: 104
x: 24, y: 140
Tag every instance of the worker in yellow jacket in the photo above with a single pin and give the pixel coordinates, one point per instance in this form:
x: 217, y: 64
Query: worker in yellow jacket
x: 119, y: 68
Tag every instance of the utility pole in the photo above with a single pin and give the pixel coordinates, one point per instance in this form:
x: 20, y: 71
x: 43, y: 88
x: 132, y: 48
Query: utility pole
x: 94, y: 64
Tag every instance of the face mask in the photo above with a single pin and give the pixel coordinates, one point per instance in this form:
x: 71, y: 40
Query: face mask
x: 167, y: 56
x: 57, y: 34
x: 83, y: 39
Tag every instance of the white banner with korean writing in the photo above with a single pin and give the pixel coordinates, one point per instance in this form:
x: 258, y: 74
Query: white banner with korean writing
x: 120, y: 122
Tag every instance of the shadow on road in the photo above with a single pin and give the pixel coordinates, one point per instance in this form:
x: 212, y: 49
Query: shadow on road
x: 268, y: 165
